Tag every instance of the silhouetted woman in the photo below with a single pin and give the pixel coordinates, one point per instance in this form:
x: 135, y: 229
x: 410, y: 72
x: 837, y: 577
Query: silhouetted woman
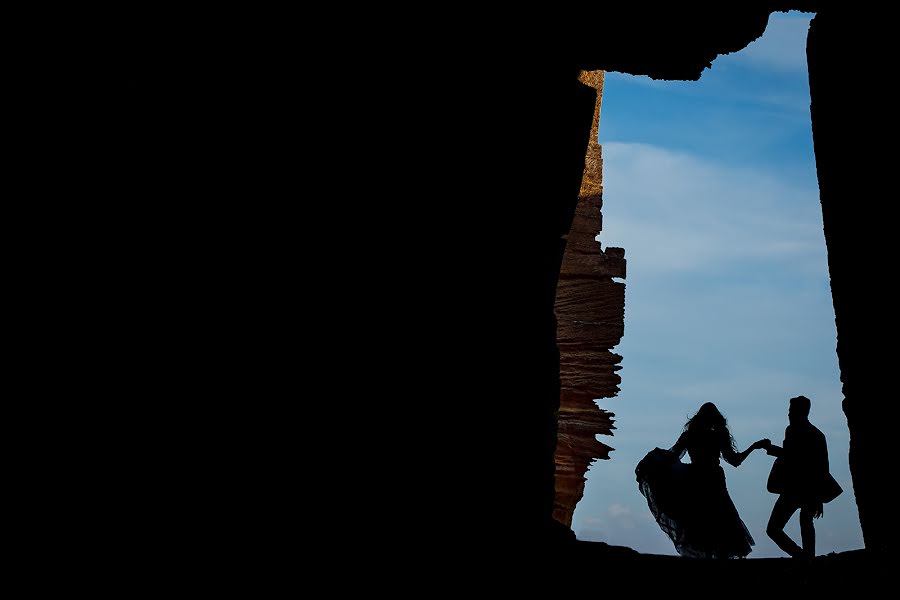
x: 690, y: 501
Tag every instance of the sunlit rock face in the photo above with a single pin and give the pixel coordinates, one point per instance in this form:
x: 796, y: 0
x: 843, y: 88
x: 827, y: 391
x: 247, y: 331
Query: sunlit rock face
x: 590, y: 313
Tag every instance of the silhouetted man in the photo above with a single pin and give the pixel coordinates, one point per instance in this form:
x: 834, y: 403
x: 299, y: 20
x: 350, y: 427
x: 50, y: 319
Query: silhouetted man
x: 805, y: 458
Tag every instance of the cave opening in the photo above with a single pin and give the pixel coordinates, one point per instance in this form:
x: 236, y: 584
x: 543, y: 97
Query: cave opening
x: 711, y: 189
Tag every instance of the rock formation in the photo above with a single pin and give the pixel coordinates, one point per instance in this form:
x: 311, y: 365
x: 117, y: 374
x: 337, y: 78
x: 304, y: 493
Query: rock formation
x: 590, y: 313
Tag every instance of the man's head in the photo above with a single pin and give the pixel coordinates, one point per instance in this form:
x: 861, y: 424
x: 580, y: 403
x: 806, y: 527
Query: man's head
x: 798, y: 410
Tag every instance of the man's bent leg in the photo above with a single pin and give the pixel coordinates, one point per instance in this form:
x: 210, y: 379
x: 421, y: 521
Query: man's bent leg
x: 781, y: 512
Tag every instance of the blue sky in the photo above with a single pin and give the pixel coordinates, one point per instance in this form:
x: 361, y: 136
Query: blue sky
x: 710, y: 187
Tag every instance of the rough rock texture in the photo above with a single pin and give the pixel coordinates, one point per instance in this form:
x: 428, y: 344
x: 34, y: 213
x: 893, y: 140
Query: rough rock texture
x: 590, y: 312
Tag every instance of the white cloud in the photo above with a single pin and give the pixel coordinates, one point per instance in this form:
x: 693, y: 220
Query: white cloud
x: 679, y: 212
x: 638, y: 532
x: 782, y: 47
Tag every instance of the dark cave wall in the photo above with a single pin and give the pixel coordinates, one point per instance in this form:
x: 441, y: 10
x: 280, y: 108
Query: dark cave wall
x: 427, y: 285
x: 848, y: 53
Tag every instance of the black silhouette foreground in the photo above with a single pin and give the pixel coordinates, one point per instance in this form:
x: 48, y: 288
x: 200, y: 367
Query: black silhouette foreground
x: 657, y: 576
x: 801, y: 478
x: 690, y: 501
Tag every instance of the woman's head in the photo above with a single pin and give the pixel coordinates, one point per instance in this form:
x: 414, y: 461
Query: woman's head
x: 709, y: 418
x: 709, y: 415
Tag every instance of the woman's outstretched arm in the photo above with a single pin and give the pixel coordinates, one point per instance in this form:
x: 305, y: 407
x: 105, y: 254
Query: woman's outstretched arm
x: 736, y: 458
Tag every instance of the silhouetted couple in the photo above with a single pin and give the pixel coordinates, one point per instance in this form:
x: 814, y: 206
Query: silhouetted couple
x: 691, y: 502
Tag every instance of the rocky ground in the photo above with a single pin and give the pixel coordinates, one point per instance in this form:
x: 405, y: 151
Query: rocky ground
x: 858, y: 573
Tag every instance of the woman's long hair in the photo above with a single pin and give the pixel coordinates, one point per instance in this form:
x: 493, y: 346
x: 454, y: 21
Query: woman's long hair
x: 709, y: 417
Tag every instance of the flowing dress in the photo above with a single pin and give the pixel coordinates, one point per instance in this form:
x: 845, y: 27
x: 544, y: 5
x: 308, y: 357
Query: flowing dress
x: 690, y: 501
